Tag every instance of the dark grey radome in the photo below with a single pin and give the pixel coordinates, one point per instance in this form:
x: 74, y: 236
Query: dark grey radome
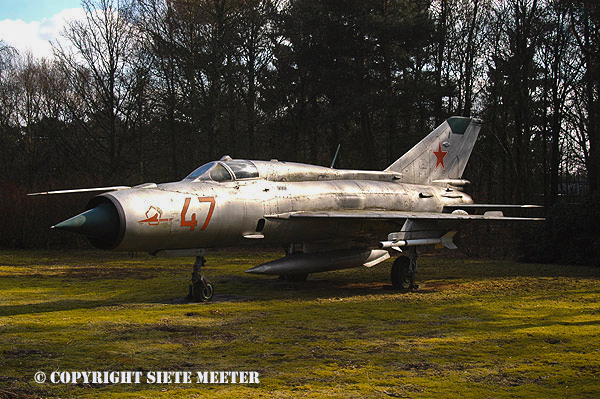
x: 100, y: 222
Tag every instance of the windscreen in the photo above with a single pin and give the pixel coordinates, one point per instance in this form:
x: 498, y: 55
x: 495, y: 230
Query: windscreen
x: 219, y: 173
x: 200, y: 171
x: 243, y: 169
x: 211, y: 171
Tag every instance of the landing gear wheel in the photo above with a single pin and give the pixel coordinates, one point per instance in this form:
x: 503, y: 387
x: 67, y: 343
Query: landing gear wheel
x: 294, y: 277
x: 201, y: 290
x: 400, y: 275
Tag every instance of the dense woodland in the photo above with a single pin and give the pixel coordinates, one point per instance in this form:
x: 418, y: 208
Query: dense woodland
x: 147, y: 90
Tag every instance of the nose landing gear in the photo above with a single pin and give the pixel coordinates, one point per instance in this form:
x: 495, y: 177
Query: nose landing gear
x: 201, y: 290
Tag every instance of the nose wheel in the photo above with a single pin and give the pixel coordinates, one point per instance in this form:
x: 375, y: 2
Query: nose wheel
x: 201, y: 290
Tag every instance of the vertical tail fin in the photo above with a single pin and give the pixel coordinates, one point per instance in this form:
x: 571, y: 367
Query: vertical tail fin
x: 443, y: 154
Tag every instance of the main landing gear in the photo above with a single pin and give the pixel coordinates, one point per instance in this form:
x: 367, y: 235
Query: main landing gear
x: 201, y: 290
x: 404, y: 270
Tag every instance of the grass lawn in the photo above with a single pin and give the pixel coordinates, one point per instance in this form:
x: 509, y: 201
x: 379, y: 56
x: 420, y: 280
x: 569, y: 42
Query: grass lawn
x: 475, y: 328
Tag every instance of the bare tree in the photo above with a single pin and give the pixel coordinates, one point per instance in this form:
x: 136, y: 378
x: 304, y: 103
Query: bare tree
x: 585, y: 23
x: 8, y: 107
x: 254, y: 45
x: 8, y: 60
x: 98, y: 65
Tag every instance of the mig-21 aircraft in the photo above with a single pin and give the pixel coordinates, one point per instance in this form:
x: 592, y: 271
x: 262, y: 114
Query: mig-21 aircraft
x: 327, y: 219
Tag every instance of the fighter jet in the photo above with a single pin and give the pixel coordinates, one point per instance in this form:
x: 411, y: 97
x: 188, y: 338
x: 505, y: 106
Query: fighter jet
x: 327, y: 219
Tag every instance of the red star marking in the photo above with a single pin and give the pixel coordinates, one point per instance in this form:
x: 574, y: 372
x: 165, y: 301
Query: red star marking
x: 439, y: 155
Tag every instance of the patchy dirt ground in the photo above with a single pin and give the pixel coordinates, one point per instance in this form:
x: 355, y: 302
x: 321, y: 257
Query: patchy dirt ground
x: 474, y: 328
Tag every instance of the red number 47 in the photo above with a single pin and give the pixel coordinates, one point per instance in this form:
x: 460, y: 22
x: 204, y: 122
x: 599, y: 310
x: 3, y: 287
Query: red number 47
x: 192, y: 222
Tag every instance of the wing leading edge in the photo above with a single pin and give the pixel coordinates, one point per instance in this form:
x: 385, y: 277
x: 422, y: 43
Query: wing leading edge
x: 81, y: 190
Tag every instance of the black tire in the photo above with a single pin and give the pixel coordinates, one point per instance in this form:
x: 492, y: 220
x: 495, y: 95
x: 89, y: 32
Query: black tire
x: 400, y: 274
x: 207, y: 292
x: 203, y: 292
x: 295, y: 277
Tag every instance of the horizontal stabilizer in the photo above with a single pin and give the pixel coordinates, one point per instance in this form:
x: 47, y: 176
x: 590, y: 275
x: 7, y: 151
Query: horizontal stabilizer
x: 490, y: 210
x: 489, y: 207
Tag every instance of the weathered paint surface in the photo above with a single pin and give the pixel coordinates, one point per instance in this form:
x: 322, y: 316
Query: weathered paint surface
x: 239, y: 206
x: 340, y: 218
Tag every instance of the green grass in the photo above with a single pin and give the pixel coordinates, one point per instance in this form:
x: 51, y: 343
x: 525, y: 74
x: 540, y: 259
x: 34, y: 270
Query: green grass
x: 483, y: 329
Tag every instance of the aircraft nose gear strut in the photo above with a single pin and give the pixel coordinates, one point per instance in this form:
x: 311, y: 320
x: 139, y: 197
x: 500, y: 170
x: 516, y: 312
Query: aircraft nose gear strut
x: 201, y: 290
x: 404, y: 270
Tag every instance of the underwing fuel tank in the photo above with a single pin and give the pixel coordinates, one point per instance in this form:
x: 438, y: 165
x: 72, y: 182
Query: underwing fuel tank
x: 321, y: 262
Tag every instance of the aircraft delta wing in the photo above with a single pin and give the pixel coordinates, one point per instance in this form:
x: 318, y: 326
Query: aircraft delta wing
x: 327, y: 219
x: 402, y: 215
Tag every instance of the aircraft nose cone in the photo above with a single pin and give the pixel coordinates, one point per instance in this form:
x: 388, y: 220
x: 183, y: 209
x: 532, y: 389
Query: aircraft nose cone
x: 99, y: 222
x: 261, y: 269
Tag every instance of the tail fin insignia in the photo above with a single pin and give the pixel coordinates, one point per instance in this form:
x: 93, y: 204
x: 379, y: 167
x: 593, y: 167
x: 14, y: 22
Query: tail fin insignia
x: 439, y: 155
x: 451, y: 144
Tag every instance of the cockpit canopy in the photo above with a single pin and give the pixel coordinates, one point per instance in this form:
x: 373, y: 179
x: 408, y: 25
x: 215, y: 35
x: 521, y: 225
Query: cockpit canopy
x: 224, y: 171
x: 228, y: 169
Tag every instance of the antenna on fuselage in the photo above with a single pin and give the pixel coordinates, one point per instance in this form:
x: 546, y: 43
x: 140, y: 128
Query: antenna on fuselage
x: 335, y: 156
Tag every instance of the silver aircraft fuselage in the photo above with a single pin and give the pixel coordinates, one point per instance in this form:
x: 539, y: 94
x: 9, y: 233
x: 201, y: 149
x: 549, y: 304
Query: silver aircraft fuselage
x: 341, y: 218
x: 206, y: 214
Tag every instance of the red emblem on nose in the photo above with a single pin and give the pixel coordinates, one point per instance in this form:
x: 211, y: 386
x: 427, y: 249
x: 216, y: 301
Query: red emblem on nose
x: 439, y: 155
x: 154, y: 217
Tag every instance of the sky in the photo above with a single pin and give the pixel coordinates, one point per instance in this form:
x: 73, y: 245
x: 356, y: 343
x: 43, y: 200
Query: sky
x: 30, y: 25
